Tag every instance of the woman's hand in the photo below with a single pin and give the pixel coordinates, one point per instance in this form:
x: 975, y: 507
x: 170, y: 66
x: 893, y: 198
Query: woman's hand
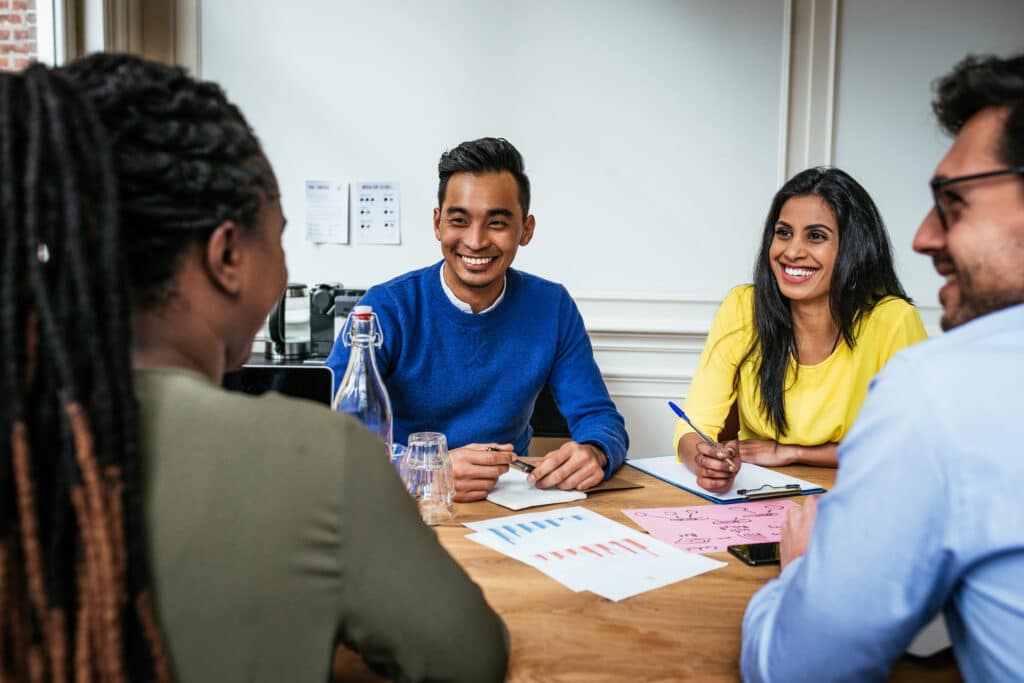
x: 765, y: 452
x: 716, y: 468
x: 773, y: 454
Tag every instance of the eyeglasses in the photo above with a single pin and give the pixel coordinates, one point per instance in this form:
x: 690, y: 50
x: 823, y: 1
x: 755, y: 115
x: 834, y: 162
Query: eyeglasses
x: 942, y: 201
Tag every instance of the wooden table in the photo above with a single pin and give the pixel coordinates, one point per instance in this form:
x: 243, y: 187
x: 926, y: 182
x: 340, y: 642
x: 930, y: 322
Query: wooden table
x: 687, y: 631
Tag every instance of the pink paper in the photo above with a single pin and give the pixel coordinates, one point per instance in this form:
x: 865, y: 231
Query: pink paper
x: 711, y: 528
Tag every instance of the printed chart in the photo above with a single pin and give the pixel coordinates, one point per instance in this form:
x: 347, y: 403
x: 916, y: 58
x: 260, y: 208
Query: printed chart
x: 587, y: 551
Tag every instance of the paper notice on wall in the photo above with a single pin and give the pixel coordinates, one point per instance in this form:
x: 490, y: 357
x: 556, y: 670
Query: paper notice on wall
x: 326, y: 212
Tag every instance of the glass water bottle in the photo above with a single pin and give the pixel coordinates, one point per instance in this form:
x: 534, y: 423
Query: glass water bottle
x: 362, y: 392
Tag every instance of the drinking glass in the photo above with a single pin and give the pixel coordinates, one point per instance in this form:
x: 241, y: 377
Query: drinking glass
x: 427, y: 474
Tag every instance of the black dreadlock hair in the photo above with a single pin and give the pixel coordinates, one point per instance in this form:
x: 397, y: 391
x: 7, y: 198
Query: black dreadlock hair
x: 109, y: 169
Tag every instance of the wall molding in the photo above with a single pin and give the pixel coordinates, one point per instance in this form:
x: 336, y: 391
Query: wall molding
x: 810, y: 84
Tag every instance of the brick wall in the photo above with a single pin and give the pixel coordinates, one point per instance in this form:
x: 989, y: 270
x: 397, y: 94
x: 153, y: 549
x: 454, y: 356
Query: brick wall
x: 18, y: 44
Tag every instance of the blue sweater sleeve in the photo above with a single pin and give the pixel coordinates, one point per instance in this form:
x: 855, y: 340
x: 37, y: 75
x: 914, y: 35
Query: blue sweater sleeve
x: 580, y: 391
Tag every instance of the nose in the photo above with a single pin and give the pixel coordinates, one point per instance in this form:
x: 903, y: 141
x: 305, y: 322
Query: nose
x: 930, y: 236
x: 476, y: 238
x: 795, y: 248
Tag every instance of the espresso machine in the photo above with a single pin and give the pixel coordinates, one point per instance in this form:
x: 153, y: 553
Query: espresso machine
x: 329, y: 302
x: 303, y: 325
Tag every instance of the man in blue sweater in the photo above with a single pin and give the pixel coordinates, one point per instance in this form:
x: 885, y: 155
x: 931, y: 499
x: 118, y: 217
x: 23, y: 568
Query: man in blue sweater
x: 469, y: 343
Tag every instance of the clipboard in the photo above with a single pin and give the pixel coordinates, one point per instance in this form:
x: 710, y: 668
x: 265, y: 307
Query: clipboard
x: 752, y: 483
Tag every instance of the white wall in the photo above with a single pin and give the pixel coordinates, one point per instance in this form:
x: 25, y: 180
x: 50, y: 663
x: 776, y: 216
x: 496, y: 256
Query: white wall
x: 885, y: 132
x: 653, y: 131
x: 648, y: 158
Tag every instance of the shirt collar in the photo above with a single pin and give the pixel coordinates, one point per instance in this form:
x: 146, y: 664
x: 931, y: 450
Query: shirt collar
x: 462, y: 305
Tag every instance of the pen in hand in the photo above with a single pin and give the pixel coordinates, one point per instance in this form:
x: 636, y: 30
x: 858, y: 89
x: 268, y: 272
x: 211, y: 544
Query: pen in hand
x: 525, y: 467
x: 704, y: 437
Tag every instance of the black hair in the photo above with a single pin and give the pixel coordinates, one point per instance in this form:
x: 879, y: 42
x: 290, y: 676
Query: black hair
x: 186, y: 159
x: 862, y: 276
x: 109, y: 169
x: 74, y: 596
x: 978, y: 82
x: 486, y: 155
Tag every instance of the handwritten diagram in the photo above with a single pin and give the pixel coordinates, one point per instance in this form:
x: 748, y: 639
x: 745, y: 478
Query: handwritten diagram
x: 712, y: 528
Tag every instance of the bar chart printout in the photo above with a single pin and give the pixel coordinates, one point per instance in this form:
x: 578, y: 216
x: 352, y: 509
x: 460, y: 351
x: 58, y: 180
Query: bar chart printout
x: 587, y: 551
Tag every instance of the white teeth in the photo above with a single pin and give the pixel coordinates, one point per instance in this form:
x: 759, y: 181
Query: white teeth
x: 798, y: 272
x: 476, y: 261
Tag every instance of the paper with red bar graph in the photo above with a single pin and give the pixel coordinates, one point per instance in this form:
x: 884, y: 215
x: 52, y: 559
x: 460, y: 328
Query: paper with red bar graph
x: 587, y: 551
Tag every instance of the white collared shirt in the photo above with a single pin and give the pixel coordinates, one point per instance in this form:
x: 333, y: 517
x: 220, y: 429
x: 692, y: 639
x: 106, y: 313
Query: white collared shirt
x: 462, y: 305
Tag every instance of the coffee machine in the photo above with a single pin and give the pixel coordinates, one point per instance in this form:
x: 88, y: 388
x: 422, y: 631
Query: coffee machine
x: 328, y: 301
x: 286, y: 343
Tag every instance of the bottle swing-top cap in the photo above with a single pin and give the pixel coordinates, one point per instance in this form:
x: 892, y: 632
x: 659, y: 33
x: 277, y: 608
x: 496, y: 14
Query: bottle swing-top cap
x: 363, y: 314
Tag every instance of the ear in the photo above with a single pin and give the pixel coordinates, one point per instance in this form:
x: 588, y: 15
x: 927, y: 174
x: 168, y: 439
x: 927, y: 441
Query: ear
x: 437, y: 224
x: 528, y: 225
x: 225, y: 257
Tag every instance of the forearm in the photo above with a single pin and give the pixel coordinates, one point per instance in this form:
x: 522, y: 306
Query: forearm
x: 686, y: 449
x: 823, y: 455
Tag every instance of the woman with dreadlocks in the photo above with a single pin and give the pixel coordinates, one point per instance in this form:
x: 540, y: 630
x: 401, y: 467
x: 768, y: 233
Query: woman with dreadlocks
x: 152, y: 525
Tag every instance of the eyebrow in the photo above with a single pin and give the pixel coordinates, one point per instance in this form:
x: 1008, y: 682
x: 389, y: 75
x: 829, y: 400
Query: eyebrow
x: 491, y: 212
x: 807, y: 227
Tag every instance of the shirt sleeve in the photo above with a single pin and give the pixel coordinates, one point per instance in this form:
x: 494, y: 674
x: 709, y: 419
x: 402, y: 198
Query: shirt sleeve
x: 906, y: 330
x: 879, y: 562
x: 712, y: 391
x: 580, y: 392
x: 407, y: 607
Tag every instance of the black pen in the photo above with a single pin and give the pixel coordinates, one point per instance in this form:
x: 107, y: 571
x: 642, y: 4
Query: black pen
x: 525, y: 467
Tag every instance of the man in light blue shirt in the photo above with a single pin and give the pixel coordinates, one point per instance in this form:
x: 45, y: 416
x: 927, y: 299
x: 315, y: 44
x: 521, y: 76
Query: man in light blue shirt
x: 927, y: 513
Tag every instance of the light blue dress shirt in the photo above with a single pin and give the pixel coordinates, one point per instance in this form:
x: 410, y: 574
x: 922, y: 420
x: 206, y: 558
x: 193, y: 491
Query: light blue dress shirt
x: 927, y: 514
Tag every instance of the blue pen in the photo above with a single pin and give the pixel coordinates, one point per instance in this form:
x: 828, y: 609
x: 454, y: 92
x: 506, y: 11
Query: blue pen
x: 707, y: 439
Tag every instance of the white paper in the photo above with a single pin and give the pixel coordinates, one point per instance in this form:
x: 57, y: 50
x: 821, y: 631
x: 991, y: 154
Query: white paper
x: 587, y: 551
x: 515, y: 493
x: 375, y: 212
x: 326, y: 211
x: 750, y: 477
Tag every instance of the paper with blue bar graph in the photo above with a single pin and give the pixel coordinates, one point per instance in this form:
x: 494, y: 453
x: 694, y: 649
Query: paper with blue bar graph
x: 587, y: 551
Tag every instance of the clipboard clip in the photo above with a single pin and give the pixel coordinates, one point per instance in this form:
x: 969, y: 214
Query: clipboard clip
x: 767, y: 490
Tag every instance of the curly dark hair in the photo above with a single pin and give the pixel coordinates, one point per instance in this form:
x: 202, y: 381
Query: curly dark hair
x: 109, y: 169
x: 486, y: 155
x: 863, y: 275
x: 978, y: 82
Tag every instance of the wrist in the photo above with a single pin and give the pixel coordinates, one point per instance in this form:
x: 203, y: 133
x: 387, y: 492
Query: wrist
x: 789, y: 453
x: 599, y: 455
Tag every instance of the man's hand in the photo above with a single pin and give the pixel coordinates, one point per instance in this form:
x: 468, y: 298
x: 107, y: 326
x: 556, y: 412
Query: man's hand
x: 765, y: 452
x: 477, y: 469
x: 577, y: 466
x: 717, y: 468
x: 796, y: 530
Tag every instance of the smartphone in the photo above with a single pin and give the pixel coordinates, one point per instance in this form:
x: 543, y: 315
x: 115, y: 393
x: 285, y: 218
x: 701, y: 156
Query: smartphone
x: 756, y: 553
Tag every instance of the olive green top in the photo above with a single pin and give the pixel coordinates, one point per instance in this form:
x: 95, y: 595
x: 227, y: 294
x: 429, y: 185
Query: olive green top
x: 277, y: 529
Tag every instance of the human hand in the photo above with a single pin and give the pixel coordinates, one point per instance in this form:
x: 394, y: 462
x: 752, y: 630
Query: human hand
x: 577, y: 466
x: 765, y: 452
x: 477, y: 466
x: 717, y: 467
x: 796, y: 530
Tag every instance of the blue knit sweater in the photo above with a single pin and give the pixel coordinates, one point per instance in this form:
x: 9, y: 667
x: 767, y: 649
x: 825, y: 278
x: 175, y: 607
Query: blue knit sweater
x: 475, y: 377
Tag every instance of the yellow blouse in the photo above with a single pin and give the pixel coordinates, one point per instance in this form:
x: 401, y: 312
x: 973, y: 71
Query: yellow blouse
x: 821, y: 400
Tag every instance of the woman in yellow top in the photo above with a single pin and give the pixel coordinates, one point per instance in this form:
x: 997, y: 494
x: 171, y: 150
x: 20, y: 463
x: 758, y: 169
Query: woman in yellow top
x: 796, y: 350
